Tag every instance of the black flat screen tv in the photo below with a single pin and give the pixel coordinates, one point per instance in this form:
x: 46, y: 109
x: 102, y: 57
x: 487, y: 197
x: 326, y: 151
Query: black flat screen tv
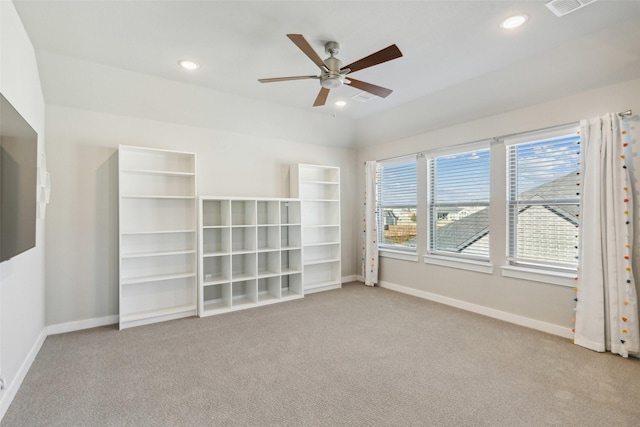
x: 18, y: 174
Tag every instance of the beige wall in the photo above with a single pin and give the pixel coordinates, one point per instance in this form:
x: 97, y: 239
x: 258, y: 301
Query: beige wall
x: 82, y: 218
x: 552, y: 304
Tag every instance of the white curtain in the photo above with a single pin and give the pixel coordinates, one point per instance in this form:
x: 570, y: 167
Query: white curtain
x: 370, y: 237
x: 607, y: 306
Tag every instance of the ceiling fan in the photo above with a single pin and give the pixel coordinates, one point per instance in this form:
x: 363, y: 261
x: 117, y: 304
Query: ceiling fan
x: 333, y: 74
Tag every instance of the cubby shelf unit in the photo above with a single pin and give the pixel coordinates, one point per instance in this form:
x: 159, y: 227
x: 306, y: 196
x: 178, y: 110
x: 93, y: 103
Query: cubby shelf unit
x: 157, y: 236
x: 318, y: 188
x: 250, y: 253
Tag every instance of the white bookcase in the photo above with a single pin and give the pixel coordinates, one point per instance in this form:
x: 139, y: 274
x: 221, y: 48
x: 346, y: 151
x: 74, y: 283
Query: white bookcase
x: 157, y: 218
x: 250, y: 253
x: 318, y: 188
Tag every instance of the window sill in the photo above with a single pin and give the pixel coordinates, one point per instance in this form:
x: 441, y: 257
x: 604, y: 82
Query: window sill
x: 459, y: 263
x: 539, y: 275
x: 405, y: 256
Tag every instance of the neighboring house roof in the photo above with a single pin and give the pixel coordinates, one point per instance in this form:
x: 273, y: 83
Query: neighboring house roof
x: 459, y: 235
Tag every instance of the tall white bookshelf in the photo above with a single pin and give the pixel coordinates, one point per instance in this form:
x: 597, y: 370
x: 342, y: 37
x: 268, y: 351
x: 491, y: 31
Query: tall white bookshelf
x: 250, y: 253
x: 157, y: 242
x: 318, y: 188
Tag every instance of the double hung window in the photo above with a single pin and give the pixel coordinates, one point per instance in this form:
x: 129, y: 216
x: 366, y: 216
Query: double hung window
x: 543, y: 200
x: 458, y: 203
x: 397, y: 205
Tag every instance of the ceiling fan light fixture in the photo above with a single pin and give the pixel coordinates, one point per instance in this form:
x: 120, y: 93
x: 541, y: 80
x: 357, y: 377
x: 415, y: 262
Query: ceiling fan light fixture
x: 331, y: 82
x: 514, y: 21
x: 189, y: 65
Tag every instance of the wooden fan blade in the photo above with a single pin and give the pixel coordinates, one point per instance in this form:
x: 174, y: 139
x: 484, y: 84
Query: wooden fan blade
x: 384, y: 55
x: 322, y: 97
x: 306, y: 48
x: 284, y: 79
x: 368, y: 87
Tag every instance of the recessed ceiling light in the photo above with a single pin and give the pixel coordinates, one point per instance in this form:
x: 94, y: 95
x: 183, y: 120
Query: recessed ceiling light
x: 514, y: 21
x: 341, y: 103
x: 189, y: 65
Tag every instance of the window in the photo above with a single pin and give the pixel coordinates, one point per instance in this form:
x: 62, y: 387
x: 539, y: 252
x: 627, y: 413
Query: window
x: 397, y: 214
x: 458, y: 201
x: 543, y: 199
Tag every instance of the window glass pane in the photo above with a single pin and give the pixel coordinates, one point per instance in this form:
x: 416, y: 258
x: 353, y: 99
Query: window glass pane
x: 459, y: 204
x: 544, y: 201
x: 397, y: 205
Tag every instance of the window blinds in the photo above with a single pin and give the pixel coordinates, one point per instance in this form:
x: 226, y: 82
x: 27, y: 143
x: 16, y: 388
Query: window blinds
x: 544, y: 200
x: 459, y: 187
x: 397, y: 183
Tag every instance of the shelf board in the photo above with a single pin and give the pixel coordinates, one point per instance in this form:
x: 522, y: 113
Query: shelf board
x: 318, y: 285
x: 268, y: 249
x: 241, y: 300
x: 150, y: 196
x: 267, y: 225
x: 157, y: 172
x: 156, y: 313
x: 158, y: 278
x: 242, y: 251
x: 216, y: 226
x: 242, y: 276
x: 320, y: 200
x: 319, y: 182
x: 290, y: 248
x: 243, y: 225
x: 154, y: 254
x: 214, y: 305
x: 321, y: 225
x: 321, y: 261
x: 262, y: 274
x: 321, y: 244
x: 287, y: 271
x: 136, y: 233
x: 286, y: 293
x: 266, y: 296
x: 214, y: 254
x: 291, y: 223
x: 218, y: 280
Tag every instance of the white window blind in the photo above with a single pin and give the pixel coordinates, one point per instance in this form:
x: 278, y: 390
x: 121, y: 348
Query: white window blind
x: 544, y: 199
x: 397, y: 184
x: 458, y: 201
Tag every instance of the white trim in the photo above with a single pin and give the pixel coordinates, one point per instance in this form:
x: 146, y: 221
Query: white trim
x: 459, y: 148
x: 539, y: 275
x: 485, y: 311
x: 459, y: 263
x: 79, y: 325
x: 405, y: 256
x: 12, y: 389
x: 352, y: 278
x: 542, y: 134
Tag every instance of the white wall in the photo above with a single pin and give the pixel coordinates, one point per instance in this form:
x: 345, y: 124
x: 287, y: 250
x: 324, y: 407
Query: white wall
x: 82, y: 218
x: 492, y: 293
x: 22, y: 310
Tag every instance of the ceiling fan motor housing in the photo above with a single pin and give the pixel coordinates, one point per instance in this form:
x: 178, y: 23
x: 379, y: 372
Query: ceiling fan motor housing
x: 332, y: 79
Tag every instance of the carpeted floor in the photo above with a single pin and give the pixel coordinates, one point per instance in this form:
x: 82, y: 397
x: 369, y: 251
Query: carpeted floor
x: 356, y: 356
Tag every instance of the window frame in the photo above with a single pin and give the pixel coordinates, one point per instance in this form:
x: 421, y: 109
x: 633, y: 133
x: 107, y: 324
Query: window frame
x: 521, y: 267
x: 448, y: 258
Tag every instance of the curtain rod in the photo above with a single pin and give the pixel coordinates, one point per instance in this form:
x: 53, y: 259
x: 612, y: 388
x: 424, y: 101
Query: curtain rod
x: 621, y: 114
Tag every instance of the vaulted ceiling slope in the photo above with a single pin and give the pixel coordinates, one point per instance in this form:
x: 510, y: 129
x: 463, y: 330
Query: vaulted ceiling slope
x: 456, y: 60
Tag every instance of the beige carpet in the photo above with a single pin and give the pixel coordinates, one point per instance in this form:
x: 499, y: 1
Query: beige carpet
x: 351, y: 357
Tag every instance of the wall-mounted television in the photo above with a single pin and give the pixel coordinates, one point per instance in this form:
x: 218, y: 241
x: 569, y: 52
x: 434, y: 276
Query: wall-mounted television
x: 18, y: 172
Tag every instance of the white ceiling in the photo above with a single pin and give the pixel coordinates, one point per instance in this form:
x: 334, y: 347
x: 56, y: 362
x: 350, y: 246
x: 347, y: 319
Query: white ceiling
x: 447, y: 46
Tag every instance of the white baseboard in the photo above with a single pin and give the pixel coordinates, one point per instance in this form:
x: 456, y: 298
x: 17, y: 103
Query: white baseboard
x: 12, y: 388
x: 62, y: 328
x: 347, y: 279
x: 485, y: 311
